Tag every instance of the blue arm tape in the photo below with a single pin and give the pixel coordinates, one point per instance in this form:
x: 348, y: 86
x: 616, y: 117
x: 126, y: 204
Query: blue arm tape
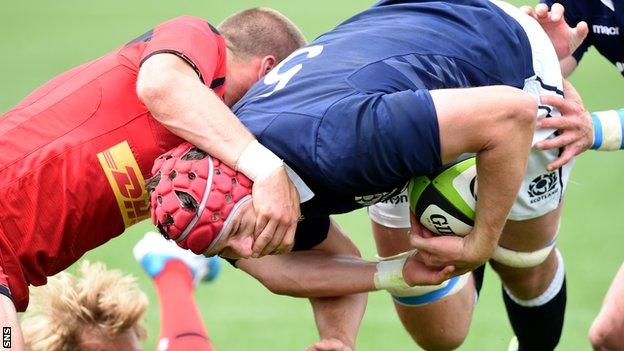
x: 621, y: 115
x: 597, y: 132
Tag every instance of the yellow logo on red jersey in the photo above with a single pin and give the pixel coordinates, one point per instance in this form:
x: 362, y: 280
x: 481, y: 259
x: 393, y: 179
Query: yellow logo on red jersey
x: 126, y: 180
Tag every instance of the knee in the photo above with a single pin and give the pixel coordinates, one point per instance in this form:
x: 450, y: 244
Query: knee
x: 524, y: 282
x: 527, y: 282
x: 440, y: 339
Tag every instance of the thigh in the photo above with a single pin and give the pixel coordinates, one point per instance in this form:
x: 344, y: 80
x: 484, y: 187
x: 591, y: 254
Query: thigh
x: 531, y: 234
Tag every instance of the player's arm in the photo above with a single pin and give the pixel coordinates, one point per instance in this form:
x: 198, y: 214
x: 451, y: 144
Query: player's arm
x: 8, y: 318
x: 305, y: 274
x: 169, y: 85
x: 496, y: 123
x: 607, y: 330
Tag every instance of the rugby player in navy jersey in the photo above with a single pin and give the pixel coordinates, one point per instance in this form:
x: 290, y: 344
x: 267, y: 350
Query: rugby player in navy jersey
x: 582, y: 130
x: 390, y: 94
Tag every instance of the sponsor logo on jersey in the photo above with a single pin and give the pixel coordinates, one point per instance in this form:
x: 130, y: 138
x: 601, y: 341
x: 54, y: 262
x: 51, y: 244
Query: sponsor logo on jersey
x: 125, y: 178
x: 543, y: 187
x: 396, y: 200
x: 605, y: 30
x: 367, y: 200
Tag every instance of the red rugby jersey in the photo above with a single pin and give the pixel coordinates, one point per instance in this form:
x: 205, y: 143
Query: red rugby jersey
x: 74, y: 154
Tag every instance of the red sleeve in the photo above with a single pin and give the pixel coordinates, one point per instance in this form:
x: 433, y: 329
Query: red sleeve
x: 193, y: 40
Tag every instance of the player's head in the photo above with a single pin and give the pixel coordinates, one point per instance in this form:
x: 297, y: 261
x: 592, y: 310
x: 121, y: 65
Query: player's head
x: 201, y: 203
x: 257, y: 40
x: 99, y: 309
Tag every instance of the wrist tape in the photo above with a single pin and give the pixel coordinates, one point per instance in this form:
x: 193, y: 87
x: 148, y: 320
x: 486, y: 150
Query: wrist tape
x: 389, y: 273
x: 257, y: 162
x: 608, y: 133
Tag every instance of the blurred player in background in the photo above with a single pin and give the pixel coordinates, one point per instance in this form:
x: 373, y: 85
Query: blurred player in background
x: 97, y: 309
x: 175, y: 274
x: 582, y: 130
x: 103, y: 310
x: 357, y: 131
x: 74, y: 154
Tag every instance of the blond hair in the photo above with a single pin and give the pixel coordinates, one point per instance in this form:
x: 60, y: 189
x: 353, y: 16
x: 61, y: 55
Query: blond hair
x: 98, y: 301
x: 261, y: 32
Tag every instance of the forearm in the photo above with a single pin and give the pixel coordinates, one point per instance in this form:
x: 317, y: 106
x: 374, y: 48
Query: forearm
x: 500, y: 170
x: 192, y: 111
x: 497, y: 123
x: 339, y: 317
x: 568, y: 65
x: 312, y: 274
x: 615, y: 297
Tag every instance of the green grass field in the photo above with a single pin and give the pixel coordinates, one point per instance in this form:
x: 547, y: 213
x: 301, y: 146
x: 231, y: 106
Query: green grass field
x: 42, y: 38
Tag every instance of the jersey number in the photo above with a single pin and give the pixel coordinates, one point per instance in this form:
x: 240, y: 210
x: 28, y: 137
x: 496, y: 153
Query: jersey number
x: 282, y: 78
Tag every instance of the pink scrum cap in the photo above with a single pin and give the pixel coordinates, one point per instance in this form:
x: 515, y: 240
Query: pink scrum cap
x: 194, y: 196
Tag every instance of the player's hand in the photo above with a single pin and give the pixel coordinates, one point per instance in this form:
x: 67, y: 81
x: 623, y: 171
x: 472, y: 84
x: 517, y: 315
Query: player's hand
x: 464, y: 254
x: 576, y: 131
x: 564, y: 38
x: 416, y: 272
x: 329, y: 345
x: 276, y: 201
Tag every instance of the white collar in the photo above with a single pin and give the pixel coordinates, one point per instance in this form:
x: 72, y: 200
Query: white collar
x: 305, y: 193
x: 609, y: 4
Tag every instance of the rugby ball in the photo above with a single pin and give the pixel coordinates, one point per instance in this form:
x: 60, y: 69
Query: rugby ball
x: 445, y: 201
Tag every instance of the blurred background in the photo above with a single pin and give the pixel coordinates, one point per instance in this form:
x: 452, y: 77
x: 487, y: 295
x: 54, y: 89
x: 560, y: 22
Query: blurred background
x: 39, y: 39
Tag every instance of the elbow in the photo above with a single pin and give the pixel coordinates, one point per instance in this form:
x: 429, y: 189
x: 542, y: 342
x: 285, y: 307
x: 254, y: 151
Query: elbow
x: 153, y: 87
x: 521, y: 110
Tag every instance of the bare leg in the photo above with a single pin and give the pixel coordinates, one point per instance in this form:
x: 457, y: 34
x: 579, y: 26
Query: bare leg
x: 535, y: 297
x: 440, y: 325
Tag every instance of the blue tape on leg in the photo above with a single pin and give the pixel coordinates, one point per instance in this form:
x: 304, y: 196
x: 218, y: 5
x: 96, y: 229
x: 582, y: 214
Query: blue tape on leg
x: 429, y: 297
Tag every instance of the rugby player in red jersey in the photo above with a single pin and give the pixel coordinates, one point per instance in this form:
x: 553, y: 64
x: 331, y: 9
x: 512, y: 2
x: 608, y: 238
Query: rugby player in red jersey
x: 74, y: 153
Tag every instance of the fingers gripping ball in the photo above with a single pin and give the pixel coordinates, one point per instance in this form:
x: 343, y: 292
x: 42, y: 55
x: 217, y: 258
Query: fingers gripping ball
x: 445, y: 201
x: 193, y: 196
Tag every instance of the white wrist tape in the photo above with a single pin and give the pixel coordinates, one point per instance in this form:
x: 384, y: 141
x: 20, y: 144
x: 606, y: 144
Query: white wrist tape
x: 389, y: 273
x: 257, y: 162
x: 608, y: 130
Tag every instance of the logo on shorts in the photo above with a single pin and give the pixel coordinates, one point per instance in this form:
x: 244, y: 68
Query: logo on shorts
x: 543, y: 187
x: 125, y: 178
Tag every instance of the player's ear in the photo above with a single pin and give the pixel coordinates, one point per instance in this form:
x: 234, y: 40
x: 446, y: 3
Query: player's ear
x: 266, y: 65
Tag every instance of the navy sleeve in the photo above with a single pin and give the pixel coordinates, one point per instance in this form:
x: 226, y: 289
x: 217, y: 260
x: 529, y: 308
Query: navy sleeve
x: 385, y: 140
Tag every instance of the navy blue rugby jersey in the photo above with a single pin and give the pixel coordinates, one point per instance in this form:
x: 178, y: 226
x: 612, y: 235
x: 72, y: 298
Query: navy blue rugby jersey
x: 606, y: 26
x: 351, y: 112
